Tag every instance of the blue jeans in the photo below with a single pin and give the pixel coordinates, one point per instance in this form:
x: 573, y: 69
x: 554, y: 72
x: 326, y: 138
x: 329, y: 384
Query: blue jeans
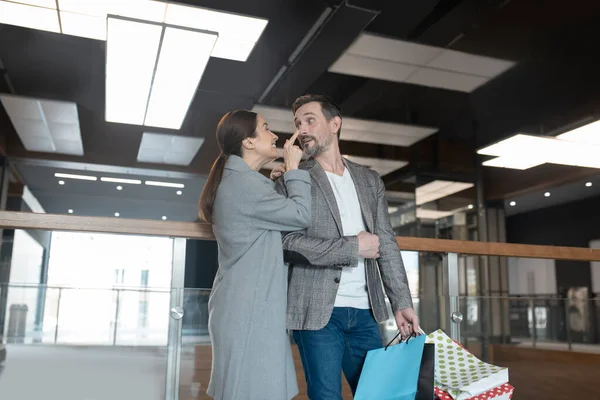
x: 341, y: 345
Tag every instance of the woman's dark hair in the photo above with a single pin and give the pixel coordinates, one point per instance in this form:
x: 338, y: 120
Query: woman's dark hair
x: 234, y: 127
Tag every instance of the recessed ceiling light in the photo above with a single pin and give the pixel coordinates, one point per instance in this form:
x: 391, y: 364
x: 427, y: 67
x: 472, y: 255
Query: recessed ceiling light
x: 119, y: 187
x: 513, y: 203
x: 470, y: 206
x: 179, y: 193
x: 117, y: 214
x: 165, y: 184
x: 70, y: 211
x: 588, y: 184
x: 61, y: 182
x: 164, y: 217
x: 120, y: 180
x: 73, y: 176
x: 547, y: 194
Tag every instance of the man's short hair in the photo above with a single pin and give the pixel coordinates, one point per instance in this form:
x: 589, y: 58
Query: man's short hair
x: 328, y: 107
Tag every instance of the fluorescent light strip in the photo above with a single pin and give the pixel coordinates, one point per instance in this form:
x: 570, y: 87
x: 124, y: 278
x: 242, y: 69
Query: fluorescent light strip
x: 165, y: 184
x: 120, y: 180
x: 181, y: 63
x: 131, y: 51
x: 74, y: 176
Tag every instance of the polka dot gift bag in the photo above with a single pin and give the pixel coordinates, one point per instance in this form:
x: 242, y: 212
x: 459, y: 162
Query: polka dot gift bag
x: 459, y: 373
x: 502, y: 392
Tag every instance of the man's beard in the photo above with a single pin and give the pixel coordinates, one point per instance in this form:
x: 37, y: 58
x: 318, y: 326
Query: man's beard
x: 316, y: 148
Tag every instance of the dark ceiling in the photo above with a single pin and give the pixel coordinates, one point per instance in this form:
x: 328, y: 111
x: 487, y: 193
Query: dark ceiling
x: 554, y: 84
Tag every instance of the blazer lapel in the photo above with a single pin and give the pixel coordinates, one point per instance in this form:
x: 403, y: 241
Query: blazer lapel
x: 320, y: 178
x: 364, y: 198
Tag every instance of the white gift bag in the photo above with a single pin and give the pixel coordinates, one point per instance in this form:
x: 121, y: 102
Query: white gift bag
x: 461, y: 374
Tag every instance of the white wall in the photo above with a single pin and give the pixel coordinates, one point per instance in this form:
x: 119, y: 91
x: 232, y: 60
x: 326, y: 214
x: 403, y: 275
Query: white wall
x: 595, y: 266
x: 531, y: 276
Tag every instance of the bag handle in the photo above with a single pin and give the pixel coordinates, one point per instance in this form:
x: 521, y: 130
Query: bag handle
x: 421, y: 332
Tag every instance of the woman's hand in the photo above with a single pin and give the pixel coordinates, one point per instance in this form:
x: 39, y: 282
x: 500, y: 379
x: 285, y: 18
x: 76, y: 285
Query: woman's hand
x: 292, y: 154
x: 277, y: 171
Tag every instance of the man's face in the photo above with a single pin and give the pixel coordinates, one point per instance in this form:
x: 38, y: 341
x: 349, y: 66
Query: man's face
x: 316, y: 133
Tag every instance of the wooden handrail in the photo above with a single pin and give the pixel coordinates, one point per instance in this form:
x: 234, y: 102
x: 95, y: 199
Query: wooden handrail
x: 193, y: 230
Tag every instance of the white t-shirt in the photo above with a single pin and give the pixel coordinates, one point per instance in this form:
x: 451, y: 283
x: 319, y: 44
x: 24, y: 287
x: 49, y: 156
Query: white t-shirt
x: 352, y: 290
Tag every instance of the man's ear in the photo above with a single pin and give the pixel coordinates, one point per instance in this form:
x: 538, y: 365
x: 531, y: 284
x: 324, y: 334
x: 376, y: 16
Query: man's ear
x: 335, y: 124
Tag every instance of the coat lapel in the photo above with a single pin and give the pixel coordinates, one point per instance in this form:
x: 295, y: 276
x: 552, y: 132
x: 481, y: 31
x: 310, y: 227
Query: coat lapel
x: 320, y: 178
x: 364, y: 197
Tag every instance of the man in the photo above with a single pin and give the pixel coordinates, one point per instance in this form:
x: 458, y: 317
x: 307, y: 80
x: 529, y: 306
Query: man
x: 338, y: 265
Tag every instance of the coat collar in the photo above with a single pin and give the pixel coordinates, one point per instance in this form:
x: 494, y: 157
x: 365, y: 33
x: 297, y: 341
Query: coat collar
x: 236, y: 163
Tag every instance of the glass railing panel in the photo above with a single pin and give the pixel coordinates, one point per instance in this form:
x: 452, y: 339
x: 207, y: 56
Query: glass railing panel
x: 98, y: 325
x: 196, y: 351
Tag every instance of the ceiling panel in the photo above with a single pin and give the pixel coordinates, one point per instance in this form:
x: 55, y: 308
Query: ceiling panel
x: 395, y: 60
x: 353, y: 129
x: 45, y: 125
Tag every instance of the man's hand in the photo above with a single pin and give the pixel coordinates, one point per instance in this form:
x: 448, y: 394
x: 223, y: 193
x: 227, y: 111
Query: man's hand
x: 277, y: 171
x: 407, y: 321
x: 368, y: 245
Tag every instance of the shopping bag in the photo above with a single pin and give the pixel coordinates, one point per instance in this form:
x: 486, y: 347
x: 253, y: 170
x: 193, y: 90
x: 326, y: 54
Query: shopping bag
x: 392, y: 372
x: 426, y: 381
x: 460, y: 373
x: 503, y: 392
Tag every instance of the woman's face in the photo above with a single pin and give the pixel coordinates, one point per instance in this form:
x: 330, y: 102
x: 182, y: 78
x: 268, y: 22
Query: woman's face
x: 265, y: 140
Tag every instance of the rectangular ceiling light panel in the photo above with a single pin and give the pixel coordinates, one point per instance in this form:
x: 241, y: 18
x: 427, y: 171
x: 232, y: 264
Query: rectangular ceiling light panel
x: 523, y: 151
x: 395, y: 60
x: 45, y: 125
x: 146, y: 10
x: 353, y: 129
x: 237, y: 34
x: 183, y: 57
x: 160, y: 148
x: 81, y: 25
x: 439, y: 189
x: 589, y: 134
x: 131, y: 52
x: 29, y: 16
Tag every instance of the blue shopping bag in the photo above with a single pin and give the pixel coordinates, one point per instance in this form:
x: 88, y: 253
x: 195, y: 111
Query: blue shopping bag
x: 392, y: 372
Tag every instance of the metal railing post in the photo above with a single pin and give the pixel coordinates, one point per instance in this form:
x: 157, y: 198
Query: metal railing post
x: 451, y: 292
x: 533, y: 322
x: 175, y: 321
x: 57, y: 315
x: 116, y: 318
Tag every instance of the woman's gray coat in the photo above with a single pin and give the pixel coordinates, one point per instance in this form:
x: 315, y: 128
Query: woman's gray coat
x: 252, y: 358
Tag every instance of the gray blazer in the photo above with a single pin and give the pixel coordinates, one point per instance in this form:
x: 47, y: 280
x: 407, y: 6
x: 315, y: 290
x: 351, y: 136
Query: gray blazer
x: 318, y: 253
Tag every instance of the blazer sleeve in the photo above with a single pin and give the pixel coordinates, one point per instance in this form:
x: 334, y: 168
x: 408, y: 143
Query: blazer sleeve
x: 390, y: 261
x: 301, y: 249
x: 292, y: 211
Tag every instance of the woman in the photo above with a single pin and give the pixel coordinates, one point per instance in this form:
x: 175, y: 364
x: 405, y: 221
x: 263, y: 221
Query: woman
x: 252, y: 358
